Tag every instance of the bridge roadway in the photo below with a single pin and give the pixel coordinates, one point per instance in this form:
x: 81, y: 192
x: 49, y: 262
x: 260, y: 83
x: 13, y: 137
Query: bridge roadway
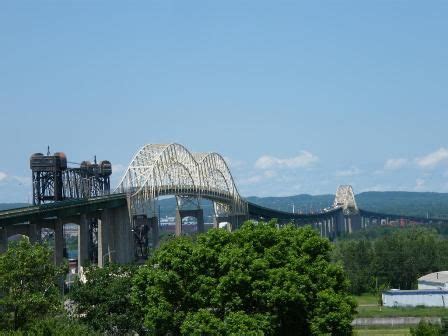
x: 70, y: 208
x: 115, y: 238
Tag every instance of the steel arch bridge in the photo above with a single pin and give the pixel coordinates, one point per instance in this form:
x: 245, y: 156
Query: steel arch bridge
x: 171, y: 169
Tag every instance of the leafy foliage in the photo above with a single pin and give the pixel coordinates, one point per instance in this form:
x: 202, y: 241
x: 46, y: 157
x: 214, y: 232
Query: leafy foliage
x: 59, y: 326
x: 259, y: 280
x: 395, y: 259
x: 103, y: 301
x: 28, y: 284
x: 426, y: 329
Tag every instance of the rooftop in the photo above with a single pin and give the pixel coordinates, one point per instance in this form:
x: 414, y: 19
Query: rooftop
x: 438, y: 277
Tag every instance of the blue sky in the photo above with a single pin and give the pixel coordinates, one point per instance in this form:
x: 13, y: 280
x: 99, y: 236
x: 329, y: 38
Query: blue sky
x: 300, y: 97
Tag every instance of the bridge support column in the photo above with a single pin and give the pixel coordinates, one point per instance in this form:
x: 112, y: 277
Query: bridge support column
x: 58, y: 243
x: 200, y: 221
x: 219, y: 220
x: 104, y: 250
x: 196, y: 213
x: 178, y: 229
x: 33, y: 233
x: 236, y: 221
x: 83, y: 241
x: 122, y: 236
x: 3, y: 240
x: 154, y: 225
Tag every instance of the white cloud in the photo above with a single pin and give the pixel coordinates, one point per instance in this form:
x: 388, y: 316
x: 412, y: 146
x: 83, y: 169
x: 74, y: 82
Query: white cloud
x: 234, y: 163
x: 419, y: 184
x: 3, y: 176
x: 352, y: 171
x: 394, y: 164
x: 23, y: 180
x: 304, y: 159
x: 433, y: 159
x: 257, y: 178
x: 118, y: 168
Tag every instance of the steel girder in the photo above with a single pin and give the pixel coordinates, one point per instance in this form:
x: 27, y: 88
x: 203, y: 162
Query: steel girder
x: 170, y: 169
x: 345, y: 198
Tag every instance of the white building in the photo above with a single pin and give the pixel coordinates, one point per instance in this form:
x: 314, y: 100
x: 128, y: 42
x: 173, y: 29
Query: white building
x: 413, y: 298
x: 437, y: 280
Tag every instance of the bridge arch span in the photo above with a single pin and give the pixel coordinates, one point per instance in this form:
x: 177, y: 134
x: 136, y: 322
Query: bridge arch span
x: 158, y: 170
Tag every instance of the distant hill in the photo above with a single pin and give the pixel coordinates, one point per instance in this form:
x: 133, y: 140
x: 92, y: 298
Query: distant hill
x: 302, y: 203
x: 6, y: 206
x: 396, y: 202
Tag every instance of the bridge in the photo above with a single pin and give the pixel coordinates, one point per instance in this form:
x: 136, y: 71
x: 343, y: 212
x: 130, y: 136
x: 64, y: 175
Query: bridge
x: 116, y: 225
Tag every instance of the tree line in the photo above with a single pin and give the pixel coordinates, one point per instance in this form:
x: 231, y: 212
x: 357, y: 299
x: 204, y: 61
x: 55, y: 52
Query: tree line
x: 391, y: 257
x: 259, y: 280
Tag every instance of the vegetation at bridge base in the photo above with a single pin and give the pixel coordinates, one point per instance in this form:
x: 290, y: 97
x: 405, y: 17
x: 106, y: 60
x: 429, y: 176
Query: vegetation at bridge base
x: 391, y: 258
x: 259, y: 280
x: 103, y: 301
x: 28, y: 285
x: 30, y: 297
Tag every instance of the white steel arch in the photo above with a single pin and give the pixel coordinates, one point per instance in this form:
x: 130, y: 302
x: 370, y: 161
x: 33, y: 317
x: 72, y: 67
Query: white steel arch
x: 345, y: 198
x: 170, y: 169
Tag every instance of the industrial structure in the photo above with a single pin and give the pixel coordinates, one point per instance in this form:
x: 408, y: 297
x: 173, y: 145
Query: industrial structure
x: 54, y: 181
x: 414, y: 298
x: 436, y: 280
x: 120, y: 226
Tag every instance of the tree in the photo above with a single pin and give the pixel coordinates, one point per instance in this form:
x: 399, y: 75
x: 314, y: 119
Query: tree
x: 426, y: 329
x: 59, y: 326
x: 259, y: 280
x: 103, y: 301
x: 28, y: 284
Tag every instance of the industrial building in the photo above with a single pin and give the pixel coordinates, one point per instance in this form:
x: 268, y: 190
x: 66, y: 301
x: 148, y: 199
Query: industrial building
x: 413, y: 298
x: 436, y: 280
x: 432, y: 292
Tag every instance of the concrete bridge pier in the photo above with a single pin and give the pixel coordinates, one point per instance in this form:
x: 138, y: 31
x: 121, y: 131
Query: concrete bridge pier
x: 3, y: 240
x: 33, y: 233
x: 105, y: 253
x: 58, y: 253
x: 196, y: 213
x: 122, y: 237
x: 83, y: 241
x: 154, y: 228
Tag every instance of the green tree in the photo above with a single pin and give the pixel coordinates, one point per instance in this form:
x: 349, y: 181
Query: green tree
x: 28, y: 284
x: 404, y: 256
x: 103, y: 301
x: 357, y: 257
x: 59, y: 326
x: 426, y: 329
x: 259, y: 280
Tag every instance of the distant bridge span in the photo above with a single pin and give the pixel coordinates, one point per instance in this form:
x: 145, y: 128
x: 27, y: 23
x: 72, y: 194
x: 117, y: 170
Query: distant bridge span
x: 121, y: 220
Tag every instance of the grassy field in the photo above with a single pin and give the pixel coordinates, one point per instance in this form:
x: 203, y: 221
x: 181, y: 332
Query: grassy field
x: 379, y: 332
x: 368, y: 307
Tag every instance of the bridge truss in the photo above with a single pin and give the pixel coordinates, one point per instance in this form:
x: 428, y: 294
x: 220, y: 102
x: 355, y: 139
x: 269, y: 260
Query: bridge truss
x: 171, y: 169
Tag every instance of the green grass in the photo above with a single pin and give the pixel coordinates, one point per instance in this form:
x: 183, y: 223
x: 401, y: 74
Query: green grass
x: 366, y: 299
x: 368, y: 307
x: 388, y: 331
x: 375, y: 311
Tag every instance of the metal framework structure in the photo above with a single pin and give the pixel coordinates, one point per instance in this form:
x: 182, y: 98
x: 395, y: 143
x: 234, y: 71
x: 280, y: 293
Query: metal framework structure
x: 345, y: 198
x: 170, y: 169
x: 54, y: 181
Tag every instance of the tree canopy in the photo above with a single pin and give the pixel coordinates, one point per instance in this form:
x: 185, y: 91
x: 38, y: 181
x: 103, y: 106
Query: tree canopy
x: 392, y: 257
x: 28, y: 284
x: 103, y: 301
x: 259, y: 280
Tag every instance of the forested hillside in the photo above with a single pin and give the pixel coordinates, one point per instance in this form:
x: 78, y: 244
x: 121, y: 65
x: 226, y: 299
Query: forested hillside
x: 397, y: 202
